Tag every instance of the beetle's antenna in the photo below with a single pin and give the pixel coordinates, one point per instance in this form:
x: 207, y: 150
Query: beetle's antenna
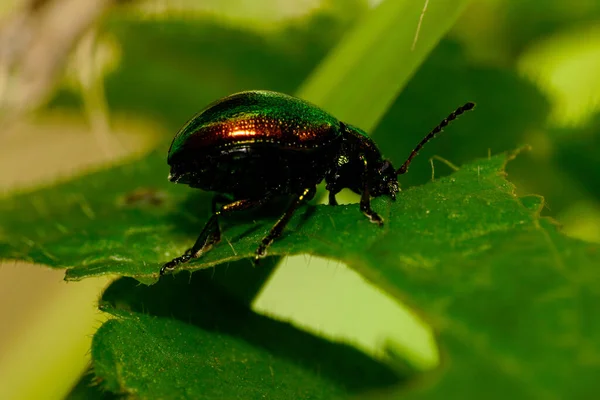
x: 431, y: 135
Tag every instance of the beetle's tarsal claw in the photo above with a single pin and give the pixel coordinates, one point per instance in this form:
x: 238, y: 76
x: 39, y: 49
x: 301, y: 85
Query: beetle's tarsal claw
x: 168, y: 267
x: 376, y: 219
x: 260, y: 252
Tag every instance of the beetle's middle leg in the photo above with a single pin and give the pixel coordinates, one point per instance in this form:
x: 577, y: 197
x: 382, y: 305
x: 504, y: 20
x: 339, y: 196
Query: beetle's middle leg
x: 277, y: 229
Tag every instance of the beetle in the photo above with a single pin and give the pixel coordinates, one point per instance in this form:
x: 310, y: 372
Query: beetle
x: 252, y: 146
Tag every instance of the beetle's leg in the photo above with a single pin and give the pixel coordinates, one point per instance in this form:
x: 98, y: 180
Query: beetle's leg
x: 219, y: 198
x: 333, y: 189
x: 279, y: 226
x: 207, y: 235
x: 332, y: 200
x: 365, y: 207
x: 211, y: 233
x: 365, y: 198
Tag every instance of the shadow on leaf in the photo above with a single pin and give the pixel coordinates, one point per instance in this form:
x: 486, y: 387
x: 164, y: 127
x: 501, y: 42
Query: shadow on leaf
x: 202, y: 300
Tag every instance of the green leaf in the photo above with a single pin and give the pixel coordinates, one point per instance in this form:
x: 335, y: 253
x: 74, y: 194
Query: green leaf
x: 131, y: 231
x: 509, y: 297
x: 184, y: 338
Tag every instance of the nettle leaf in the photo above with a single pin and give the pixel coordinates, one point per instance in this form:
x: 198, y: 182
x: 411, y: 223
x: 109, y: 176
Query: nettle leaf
x: 509, y: 296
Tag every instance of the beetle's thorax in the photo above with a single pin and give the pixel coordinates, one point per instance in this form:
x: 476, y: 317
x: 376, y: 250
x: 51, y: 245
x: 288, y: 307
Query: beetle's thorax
x: 360, y: 166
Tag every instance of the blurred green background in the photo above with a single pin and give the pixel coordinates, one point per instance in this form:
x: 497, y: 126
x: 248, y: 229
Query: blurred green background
x: 135, y: 71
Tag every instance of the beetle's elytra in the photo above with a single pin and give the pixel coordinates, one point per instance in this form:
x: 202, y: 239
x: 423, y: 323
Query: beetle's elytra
x: 252, y: 146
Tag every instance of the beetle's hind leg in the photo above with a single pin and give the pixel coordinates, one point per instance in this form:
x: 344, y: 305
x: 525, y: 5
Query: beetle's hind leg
x: 209, y: 236
x: 277, y: 229
x: 211, y: 233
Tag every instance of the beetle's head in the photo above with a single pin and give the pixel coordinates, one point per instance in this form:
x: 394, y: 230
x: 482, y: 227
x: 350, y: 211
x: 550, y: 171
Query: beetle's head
x: 384, y: 181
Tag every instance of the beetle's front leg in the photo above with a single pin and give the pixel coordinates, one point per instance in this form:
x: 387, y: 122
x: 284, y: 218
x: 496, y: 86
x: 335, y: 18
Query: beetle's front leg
x: 365, y: 198
x: 365, y: 207
x: 277, y: 229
